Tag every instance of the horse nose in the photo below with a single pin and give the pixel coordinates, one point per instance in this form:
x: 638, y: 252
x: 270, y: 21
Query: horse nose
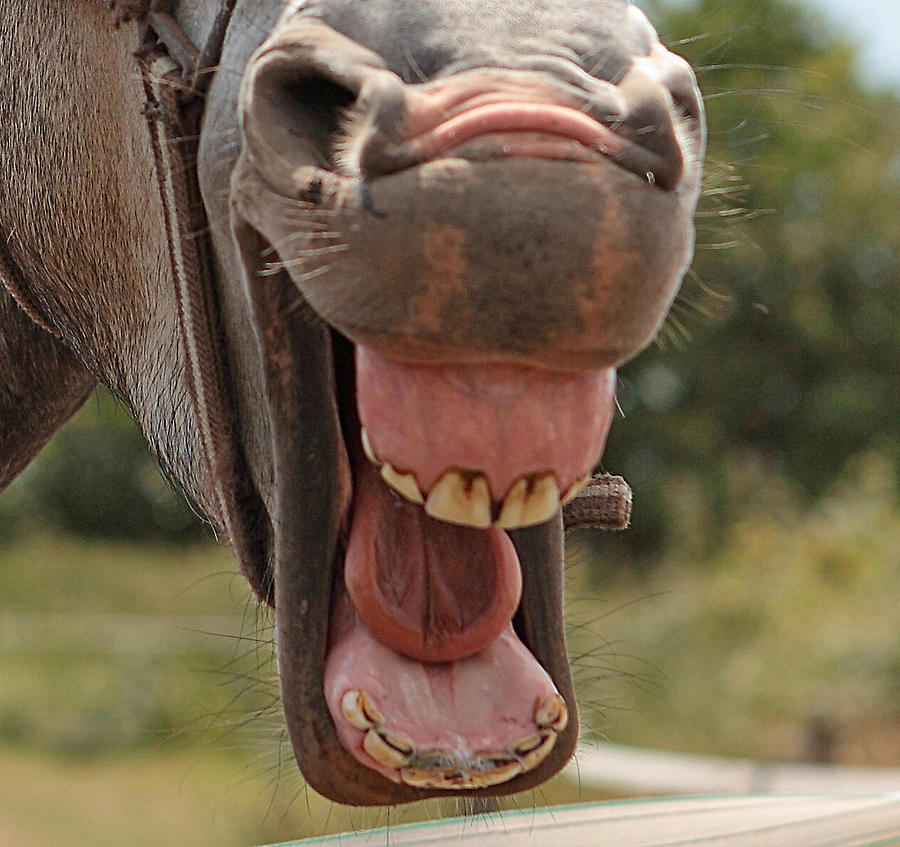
x: 648, y: 122
x: 653, y: 105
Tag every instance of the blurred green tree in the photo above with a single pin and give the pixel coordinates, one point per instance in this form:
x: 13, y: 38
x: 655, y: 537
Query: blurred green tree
x: 97, y: 478
x: 782, y: 348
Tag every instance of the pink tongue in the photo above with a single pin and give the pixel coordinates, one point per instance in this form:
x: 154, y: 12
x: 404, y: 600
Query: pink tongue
x: 501, y: 420
x: 427, y: 589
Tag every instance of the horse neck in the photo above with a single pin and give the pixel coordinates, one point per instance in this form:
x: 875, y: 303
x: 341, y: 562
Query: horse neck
x: 85, y: 222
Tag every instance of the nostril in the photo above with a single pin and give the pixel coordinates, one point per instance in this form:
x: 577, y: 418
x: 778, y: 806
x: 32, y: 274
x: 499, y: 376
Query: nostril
x: 677, y: 78
x: 683, y: 90
x: 687, y: 104
x: 298, y: 89
x: 290, y: 117
x: 311, y: 108
x: 650, y: 123
x: 295, y: 110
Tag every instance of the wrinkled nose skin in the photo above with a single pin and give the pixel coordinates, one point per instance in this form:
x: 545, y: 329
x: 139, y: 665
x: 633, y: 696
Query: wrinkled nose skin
x: 531, y: 213
x: 466, y: 215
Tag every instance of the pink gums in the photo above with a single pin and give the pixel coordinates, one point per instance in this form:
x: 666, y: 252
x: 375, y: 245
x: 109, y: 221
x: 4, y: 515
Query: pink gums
x: 501, y: 420
x: 482, y: 703
x: 424, y: 626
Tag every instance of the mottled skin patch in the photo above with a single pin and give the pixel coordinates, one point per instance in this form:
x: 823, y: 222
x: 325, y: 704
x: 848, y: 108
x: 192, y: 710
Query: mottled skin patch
x: 444, y: 287
x: 616, y: 267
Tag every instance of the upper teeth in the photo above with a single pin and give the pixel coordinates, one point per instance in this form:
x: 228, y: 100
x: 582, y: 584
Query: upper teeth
x: 404, y: 483
x: 531, y: 500
x: 464, y: 497
x: 460, y: 499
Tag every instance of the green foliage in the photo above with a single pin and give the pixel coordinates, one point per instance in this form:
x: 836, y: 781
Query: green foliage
x: 790, y: 626
x: 110, y: 646
x: 781, y: 348
x: 783, y: 344
x: 97, y: 478
x: 143, y: 676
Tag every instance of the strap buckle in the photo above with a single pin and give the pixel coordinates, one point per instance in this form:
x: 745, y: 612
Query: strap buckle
x: 196, y: 65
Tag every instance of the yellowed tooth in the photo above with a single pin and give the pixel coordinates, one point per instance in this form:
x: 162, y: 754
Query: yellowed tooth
x: 383, y: 752
x: 434, y: 769
x: 494, y: 776
x: 552, y: 714
x: 575, y: 489
x: 421, y: 778
x: 448, y: 773
x: 531, y: 500
x: 399, y: 743
x: 542, y: 501
x: 492, y: 769
x: 437, y: 761
x: 460, y: 499
x: 533, y: 758
x: 370, y: 710
x: 511, y: 512
x: 526, y: 744
x: 352, y: 709
x: 424, y: 778
x: 368, y: 449
x: 403, y: 483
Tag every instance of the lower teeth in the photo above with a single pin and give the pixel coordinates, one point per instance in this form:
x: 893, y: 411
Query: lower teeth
x: 445, y: 770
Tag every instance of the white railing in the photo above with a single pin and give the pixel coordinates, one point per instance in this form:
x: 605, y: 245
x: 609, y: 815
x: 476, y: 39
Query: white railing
x: 636, y: 771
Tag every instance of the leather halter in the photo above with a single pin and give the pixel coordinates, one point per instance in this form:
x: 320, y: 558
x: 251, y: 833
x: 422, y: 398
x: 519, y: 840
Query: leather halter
x: 197, y: 65
x: 175, y: 74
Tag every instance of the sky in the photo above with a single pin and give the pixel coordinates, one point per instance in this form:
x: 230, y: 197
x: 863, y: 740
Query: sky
x: 875, y: 24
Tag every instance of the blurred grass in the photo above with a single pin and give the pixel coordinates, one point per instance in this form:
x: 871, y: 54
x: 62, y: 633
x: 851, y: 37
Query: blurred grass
x: 138, y: 706
x: 782, y: 644
x: 137, y: 702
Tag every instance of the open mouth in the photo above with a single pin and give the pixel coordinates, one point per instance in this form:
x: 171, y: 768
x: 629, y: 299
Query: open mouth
x: 475, y: 254
x: 426, y: 678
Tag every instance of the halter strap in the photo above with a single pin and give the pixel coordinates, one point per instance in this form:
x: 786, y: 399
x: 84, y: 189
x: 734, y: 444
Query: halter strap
x: 175, y: 75
x: 604, y: 503
x: 197, y: 65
